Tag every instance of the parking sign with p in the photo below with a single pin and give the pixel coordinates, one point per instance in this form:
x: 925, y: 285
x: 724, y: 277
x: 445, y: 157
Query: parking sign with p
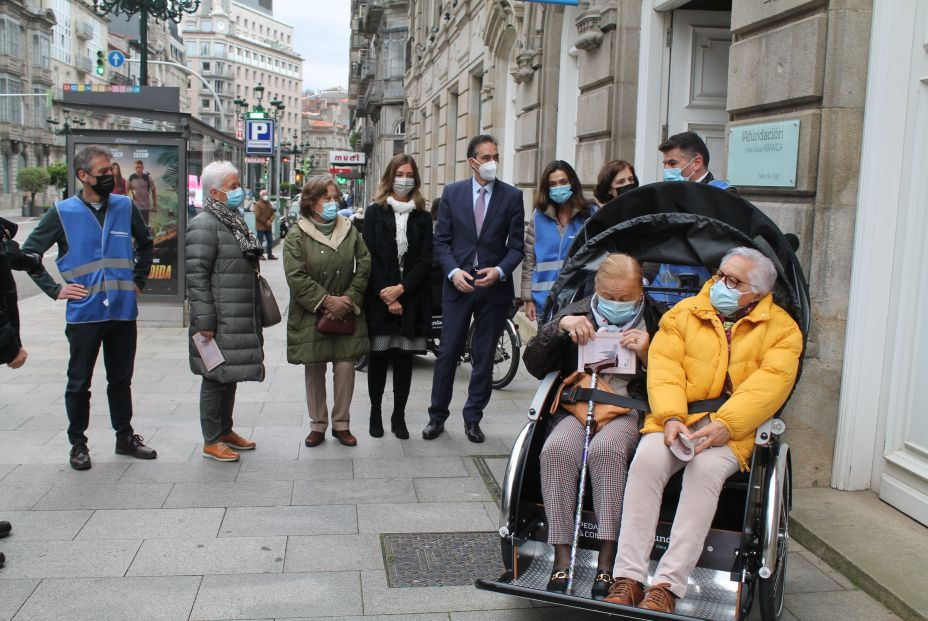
x: 259, y: 137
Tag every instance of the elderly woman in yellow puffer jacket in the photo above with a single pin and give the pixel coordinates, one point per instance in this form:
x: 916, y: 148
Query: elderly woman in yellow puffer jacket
x: 730, y: 339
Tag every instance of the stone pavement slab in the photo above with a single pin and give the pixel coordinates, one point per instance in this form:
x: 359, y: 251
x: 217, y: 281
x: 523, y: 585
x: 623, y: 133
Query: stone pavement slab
x: 63, y: 473
x: 293, y: 470
x: 21, y: 496
x: 112, y: 599
x: 249, y: 494
x: 256, y: 596
x: 67, y: 559
x: 288, y: 521
x: 44, y: 525
x: 408, y: 467
x: 334, y: 553
x: 197, y: 471
x: 197, y: 557
x: 423, y: 518
x: 152, y: 524
x: 13, y: 595
x: 103, y: 496
x: 354, y: 491
x: 380, y: 599
x: 470, y: 489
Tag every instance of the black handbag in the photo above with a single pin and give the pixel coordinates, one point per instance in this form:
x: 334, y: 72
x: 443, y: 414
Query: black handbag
x: 270, y: 311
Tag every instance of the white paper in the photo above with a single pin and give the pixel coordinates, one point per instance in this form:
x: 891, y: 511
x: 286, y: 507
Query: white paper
x: 209, y: 352
x: 605, y: 345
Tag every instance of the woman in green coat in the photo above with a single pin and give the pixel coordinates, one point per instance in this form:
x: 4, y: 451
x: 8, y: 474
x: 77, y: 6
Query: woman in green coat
x: 327, y: 267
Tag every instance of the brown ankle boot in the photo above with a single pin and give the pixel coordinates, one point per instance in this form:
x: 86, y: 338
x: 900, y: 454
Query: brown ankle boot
x: 659, y: 598
x: 625, y: 592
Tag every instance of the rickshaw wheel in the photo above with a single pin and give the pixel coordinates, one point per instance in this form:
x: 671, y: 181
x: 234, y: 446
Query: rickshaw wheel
x: 360, y: 363
x: 771, y: 591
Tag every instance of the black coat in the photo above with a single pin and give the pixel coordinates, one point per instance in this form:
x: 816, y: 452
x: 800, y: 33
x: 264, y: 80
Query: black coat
x: 11, y: 258
x: 380, y: 236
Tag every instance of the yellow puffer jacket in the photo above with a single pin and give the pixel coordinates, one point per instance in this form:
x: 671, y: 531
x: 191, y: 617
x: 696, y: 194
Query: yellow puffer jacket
x: 689, y: 357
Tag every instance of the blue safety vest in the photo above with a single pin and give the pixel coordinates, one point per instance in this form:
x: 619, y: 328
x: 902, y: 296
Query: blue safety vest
x: 719, y: 183
x: 101, y: 259
x: 551, y: 248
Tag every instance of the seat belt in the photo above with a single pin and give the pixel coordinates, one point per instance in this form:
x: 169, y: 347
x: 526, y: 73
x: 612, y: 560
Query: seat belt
x: 576, y: 394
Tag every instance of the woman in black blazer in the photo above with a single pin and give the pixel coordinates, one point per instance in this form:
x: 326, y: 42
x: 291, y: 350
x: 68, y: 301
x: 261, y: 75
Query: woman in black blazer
x: 398, y: 306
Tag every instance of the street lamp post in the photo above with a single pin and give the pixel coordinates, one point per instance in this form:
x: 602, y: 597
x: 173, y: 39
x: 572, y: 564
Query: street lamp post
x: 161, y: 10
x: 279, y: 107
x: 240, y: 106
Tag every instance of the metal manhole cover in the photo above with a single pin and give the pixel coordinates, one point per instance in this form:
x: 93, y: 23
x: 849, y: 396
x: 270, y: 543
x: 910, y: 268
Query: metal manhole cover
x: 440, y: 559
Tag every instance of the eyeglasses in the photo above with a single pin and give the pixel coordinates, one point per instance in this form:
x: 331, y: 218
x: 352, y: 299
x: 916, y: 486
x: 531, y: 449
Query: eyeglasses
x: 730, y: 281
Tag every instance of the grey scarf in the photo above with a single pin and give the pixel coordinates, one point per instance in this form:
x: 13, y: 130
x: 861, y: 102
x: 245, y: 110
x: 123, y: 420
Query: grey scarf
x: 233, y: 221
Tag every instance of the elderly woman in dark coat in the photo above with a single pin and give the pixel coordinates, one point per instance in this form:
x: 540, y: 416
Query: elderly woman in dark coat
x: 222, y: 286
x: 327, y: 267
x: 620, y: 305
x: 398, y: 234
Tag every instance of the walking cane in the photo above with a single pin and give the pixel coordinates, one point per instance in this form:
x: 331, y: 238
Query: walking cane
x: 593, y: 368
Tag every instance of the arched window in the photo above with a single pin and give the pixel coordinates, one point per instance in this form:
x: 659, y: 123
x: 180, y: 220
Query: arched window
x: 21, y: 163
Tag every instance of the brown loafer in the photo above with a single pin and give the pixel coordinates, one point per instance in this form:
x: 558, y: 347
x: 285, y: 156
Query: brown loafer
x: 344, y: 436
x: 625, y: 592
x: 659, y: 598
x: 237, y: 442
x: 219, y: 451
x: 314, y: 438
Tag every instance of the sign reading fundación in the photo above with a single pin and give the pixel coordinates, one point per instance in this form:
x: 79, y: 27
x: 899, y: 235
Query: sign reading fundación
x: 764, y: 154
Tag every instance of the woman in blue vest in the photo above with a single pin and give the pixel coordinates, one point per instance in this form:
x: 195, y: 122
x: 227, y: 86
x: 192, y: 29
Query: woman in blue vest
x: 560, y: 211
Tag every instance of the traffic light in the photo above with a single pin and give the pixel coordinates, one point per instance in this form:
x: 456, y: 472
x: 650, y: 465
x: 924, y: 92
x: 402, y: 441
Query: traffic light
x: 101, y: 63
x: 340, y: 180
x: 299, y: 178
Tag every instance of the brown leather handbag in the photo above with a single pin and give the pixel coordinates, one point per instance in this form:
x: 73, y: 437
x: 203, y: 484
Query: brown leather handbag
x: 335, y: 326
x: 603, y: 413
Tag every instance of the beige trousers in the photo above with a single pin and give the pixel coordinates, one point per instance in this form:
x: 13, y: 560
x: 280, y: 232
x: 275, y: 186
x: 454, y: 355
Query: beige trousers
x: 651, y: 468
x: 343, y: 382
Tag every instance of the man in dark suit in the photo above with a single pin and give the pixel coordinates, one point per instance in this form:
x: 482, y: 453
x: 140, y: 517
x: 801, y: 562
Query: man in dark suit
x: 686, y: 158
x: 478, y: 244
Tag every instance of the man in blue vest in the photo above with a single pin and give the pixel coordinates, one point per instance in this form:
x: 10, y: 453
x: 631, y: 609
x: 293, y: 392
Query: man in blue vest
x: 94, y: 231
x: 686, y: 158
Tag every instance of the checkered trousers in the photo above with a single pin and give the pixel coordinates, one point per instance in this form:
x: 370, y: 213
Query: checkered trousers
x: 611, y: 450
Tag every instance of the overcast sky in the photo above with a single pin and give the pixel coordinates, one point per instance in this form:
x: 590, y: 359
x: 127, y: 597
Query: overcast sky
x: 321, y: 34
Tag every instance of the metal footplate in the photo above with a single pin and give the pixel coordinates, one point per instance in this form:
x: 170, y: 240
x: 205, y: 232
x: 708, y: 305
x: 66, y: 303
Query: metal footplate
x: 711, y: 594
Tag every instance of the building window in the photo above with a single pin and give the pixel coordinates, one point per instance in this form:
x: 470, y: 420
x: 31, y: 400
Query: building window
x: 11, y: 108
x: 10, y: 37
x: 206, y: 25
x: 204, y: 103
x: 191, y: 48
x: 207, y: 66
x: 20, y: 164
x: 41, y: 51
x: 219, y: 50
x: 398, y: 146
x: 394, y: 52
x: 39, y: 107
x: 204, y: 48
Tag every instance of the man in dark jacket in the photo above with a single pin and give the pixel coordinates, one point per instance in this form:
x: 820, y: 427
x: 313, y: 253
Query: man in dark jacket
x: 104, y: 275
x: 686, y: 158
x: 478, y: 243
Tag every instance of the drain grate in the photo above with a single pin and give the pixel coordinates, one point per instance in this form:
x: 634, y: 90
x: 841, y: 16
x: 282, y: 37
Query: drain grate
x: 440, y: 559
x: 492, y: 469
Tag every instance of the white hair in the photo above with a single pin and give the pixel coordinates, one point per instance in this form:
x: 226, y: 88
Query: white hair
x: 763, y: 274
x: 214, y: 175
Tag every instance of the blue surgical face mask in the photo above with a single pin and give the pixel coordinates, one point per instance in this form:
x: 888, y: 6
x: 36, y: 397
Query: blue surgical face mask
x: 723, y: 299
x: 235, y: 198
x: 560, y: 194
x: 617, y: 313
x: 329, y: 211
x: 676, y: 174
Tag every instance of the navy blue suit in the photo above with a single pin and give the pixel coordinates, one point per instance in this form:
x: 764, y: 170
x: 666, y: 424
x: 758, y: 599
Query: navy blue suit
x: 457, y: 245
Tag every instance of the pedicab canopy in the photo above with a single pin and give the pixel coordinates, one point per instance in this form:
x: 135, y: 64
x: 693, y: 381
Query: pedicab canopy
x: 681, y: 224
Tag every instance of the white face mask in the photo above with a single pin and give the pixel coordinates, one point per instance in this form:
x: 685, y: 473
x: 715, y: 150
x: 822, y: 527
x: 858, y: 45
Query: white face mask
x: 488, y: 171
x: 402, y: 186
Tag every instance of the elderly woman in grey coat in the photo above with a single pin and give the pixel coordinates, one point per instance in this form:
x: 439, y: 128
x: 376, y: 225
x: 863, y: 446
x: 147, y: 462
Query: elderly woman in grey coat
x: 222, y: 287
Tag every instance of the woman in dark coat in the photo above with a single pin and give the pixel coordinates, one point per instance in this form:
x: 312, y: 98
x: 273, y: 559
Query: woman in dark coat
x: 222, y: 287
x: 398, y: 234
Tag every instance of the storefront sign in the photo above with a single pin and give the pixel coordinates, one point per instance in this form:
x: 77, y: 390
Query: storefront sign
x: 346, y: 158
x: 763, y: 154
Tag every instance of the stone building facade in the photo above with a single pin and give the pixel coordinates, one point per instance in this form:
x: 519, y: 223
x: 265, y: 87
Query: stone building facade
x: 326, y: 119
x: 25, y: 67
x: 612, y: 78
x: 379, y: 58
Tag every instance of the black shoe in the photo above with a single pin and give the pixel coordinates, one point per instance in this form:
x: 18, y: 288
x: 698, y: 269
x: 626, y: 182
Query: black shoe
x: 80, y: 457
x: 558, y: 581
x: 272, y: 258
x: 432, y: 430
x: 133, y: 447
x: 473, y: 433
x: 5, y: 528
x: 398, y: 426
x: 602, y: 584
x: 375, y: 428
x: 2, y: 560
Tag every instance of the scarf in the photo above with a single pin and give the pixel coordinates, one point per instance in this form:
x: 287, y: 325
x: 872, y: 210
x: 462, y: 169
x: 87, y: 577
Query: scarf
x: 326, y: 228
x: 234, y: 221
x: 401, y: 211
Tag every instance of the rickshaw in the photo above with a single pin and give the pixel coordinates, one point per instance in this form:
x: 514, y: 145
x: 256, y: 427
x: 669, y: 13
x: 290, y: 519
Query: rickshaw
x: 681, y: 230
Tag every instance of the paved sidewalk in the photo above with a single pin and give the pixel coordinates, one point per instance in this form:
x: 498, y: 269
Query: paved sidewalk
x: 289, y: 532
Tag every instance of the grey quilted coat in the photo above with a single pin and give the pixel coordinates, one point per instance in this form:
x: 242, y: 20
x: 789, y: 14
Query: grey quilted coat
x: 222, y: 289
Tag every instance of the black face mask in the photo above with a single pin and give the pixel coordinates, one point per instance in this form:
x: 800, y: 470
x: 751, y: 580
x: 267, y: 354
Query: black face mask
x: 105, y: 185
x: 626, y: 188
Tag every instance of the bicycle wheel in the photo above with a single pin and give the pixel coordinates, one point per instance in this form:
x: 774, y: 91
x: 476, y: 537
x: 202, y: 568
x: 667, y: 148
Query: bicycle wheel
x: 360, y: 364
x: 506, y: 362
x: 771, y: 591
